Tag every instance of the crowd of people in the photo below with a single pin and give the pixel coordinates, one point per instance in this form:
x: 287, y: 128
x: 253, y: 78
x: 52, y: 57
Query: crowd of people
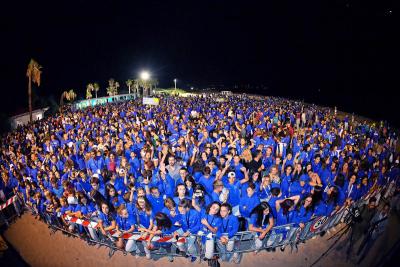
x: 195, y: 167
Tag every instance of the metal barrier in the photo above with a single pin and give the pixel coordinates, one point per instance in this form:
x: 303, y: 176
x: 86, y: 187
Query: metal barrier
x: 10, y: 210
x: 167, y: 245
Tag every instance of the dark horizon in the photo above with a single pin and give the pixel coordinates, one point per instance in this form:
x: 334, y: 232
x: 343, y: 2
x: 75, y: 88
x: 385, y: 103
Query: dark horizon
x: 335, y: 54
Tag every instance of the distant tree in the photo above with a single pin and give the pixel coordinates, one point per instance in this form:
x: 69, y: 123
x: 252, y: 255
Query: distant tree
x: 33, y: 73
x: 112, y: 88
x: 68, y: 95
x: 96, y: 88
x: 129, y: 83
x: 89, y: 89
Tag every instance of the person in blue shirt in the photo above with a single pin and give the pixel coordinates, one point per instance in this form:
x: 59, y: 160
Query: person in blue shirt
x: 166, y: 184
x: 304, y: 211
x: 218, y: 186
x: 226, y: 233
x: 162, y: 226
x: 155, y: 199
x: 285, y: 210
x: 261, y: 222
x: 191, y: 225
x: 180, y: 193
x: 207, y: 180
x: 233, y: 185
x: 249, y: 201
x: 106, y: 220
x: 125, y: 224
x: 144, y: 218
x: 211, y: 222
x: 200, y: 199
x: 171, y: 209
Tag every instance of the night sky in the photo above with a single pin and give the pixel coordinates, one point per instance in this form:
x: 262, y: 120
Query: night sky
x: 340, y: 53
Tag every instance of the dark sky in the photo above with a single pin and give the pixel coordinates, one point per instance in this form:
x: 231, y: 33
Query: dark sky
x: 329, y: 53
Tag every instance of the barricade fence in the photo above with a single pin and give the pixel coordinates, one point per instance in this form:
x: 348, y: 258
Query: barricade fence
x: 168, y: 245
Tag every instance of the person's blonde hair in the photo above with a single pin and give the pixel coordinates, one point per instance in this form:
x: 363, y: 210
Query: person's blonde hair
x: 246, y: 155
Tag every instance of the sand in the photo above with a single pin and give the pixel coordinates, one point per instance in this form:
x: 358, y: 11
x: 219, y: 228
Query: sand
x: 32, y: 239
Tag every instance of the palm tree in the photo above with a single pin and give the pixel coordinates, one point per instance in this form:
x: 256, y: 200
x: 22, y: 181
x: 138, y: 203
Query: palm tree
x: 68, y: 95
x: 96, y: 88
x: 129, y: 83
x: 111, y: 87
x: 33, y: 73
x: 71, y: 95
x: 116, y: 86
x: 89, y: 89
x: 153, y: 83
x: 136, y: 84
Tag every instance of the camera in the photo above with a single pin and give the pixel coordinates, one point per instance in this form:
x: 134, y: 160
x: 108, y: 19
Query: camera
x: 198, y: 193
x: 354, y: 215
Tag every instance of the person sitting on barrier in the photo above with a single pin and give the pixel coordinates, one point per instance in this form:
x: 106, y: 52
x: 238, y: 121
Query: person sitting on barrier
x: 304, y: 211
x: 125, y: 224
x: 190, y: 222
x: 162, y: 226
x: 333, y: 200
x: 319, y: 204
x: 226, y: 233
x: 285, y: 210
x: 66, y: 209
x: 249, y: 201
x: 261, y: 222
x: 85, y: 208
x: 106, y: 220
x: 144, y: 217
x: 211, y: 221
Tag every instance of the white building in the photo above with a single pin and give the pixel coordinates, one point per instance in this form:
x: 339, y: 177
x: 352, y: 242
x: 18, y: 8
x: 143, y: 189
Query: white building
x: 22, y: 119
x: 226, y: 93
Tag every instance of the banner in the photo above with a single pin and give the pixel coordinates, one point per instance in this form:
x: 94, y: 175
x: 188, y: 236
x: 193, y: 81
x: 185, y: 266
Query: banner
x: 151, y: 101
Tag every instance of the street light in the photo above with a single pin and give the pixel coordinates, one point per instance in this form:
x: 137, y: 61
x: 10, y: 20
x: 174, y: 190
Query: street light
x: 175, y: 83
x: 144, y: 75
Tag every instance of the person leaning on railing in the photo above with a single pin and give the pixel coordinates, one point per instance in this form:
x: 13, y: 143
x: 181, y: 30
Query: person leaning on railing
x: 211, y: 223
x: 261, y: 222
x: 125, y: 224
x: 162, y: 226
x: 226, y: 234
x: 190, y: 222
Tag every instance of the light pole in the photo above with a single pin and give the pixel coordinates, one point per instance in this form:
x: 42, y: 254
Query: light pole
x: 175, y: 84
x: 144, y: 75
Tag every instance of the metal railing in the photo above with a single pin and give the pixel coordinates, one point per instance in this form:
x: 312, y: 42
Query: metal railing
x: 167, y: 245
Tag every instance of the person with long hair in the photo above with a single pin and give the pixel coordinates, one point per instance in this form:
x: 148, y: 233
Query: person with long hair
x: 162, y: 226
x: 285, y: 210
x: 211, y: 221
x: 144, y: 217
x: 261, y: 222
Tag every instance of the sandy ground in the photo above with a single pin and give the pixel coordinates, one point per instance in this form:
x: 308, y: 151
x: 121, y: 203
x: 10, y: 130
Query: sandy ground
x: 32, y: 239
